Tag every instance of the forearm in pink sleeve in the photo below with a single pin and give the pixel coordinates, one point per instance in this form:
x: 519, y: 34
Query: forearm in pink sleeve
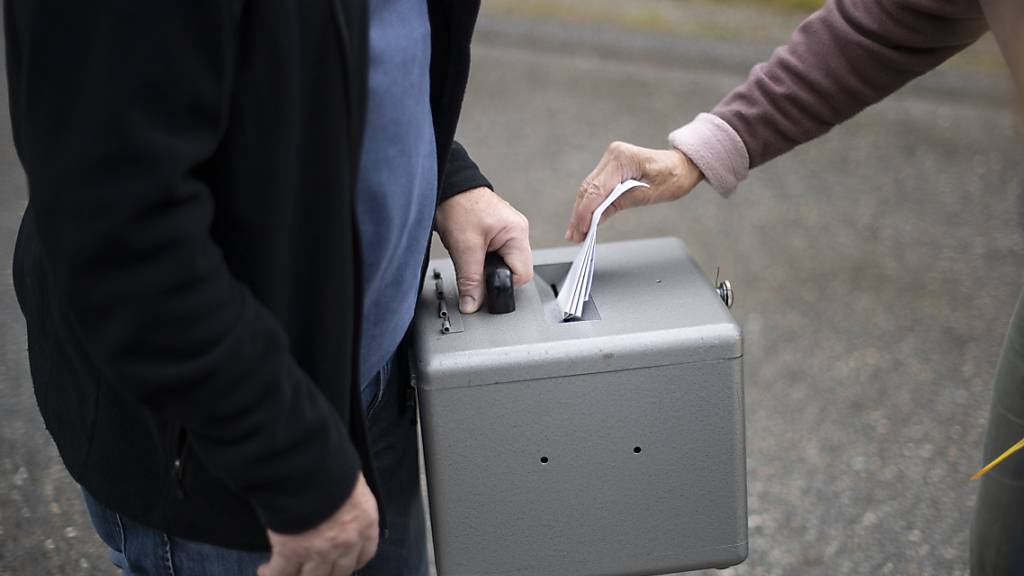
x: 845, y: 57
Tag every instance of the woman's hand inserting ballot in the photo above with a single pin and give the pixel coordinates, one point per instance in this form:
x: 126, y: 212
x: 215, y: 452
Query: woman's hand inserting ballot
x: 669, y: 174
x: 476, y: 222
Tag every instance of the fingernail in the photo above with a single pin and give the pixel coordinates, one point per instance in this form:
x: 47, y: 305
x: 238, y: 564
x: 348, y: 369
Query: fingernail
x: 568, y: 234
x: 466, y: 304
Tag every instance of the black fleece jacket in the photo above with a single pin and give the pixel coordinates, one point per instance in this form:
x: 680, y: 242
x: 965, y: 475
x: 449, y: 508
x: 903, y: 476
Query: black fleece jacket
x: 188, y: 264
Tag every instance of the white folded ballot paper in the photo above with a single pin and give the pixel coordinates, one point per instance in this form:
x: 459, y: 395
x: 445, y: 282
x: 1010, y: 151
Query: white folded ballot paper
x: 575, y: 289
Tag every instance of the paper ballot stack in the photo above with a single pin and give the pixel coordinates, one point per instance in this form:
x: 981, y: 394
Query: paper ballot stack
x: 575, y: 289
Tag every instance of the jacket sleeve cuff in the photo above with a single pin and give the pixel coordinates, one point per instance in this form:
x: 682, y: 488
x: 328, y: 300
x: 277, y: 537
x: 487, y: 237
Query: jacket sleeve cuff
x: 326, y: 494
x: 719, y: 152
x: 461, y: 174
x: 310, y: 494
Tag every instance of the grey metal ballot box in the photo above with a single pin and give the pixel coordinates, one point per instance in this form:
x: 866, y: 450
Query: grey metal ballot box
x: 610, y: 445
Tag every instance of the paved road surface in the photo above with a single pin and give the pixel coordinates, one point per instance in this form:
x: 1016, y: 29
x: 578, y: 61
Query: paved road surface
x: 875, y: 271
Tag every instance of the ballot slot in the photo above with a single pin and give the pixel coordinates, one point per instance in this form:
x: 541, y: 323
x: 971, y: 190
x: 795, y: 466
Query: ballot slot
x: 546, y: 278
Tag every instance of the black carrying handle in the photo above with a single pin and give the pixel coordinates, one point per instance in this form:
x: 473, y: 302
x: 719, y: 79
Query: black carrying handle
x: 501, y: 296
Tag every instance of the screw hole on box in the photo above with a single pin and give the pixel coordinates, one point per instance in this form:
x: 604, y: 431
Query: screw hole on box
x: 637, y: 450
x: 543, y: 459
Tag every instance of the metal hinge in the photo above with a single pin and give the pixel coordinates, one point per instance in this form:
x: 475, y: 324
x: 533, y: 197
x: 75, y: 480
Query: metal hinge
x: 451, y: 322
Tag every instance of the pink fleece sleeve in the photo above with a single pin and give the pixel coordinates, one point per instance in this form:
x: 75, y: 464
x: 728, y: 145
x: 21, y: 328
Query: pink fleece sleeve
x: 845, y: 57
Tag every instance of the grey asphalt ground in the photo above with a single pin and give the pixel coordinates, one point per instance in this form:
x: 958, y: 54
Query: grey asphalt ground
x: 875, y: 273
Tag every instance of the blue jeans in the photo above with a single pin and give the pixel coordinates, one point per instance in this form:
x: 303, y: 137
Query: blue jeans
x: 142, y: 551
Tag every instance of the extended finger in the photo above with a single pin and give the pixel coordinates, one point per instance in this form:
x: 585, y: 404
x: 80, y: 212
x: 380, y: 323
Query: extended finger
x: 595, y: 188
x: 570, y: 234
x: 594, y: 193
x: 589, y: 195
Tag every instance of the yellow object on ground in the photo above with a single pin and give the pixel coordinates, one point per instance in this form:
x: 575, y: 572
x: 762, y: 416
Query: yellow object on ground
x: 1001, y: 457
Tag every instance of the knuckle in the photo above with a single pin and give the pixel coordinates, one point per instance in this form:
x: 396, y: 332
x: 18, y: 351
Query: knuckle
x: 469, y: 281
x: 617, y: 148
x: 583, y: 188
x: 591, y: 190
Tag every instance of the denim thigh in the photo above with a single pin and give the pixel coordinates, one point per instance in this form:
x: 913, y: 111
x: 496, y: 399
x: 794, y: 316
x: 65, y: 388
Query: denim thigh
x: 142, y: 551
x: 393, y: 438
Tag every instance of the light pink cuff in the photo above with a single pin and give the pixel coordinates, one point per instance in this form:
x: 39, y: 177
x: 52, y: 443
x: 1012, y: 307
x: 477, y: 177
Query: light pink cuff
x: 716, y: 149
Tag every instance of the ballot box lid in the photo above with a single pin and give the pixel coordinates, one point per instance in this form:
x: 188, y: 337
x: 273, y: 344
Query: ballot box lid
x: 651, y: 305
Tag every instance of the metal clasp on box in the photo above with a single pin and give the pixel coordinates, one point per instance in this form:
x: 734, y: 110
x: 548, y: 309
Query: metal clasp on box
x: 451, y: 320
x: 724, y: 289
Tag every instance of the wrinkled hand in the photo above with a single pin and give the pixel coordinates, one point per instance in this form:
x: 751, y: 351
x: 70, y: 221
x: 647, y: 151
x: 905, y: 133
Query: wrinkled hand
x: 339, y: 546
x: 669, y: 173
x: 476, y: 222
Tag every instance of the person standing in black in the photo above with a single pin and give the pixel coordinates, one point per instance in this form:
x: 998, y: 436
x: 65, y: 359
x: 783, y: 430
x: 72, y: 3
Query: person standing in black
x: 191, y: 265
